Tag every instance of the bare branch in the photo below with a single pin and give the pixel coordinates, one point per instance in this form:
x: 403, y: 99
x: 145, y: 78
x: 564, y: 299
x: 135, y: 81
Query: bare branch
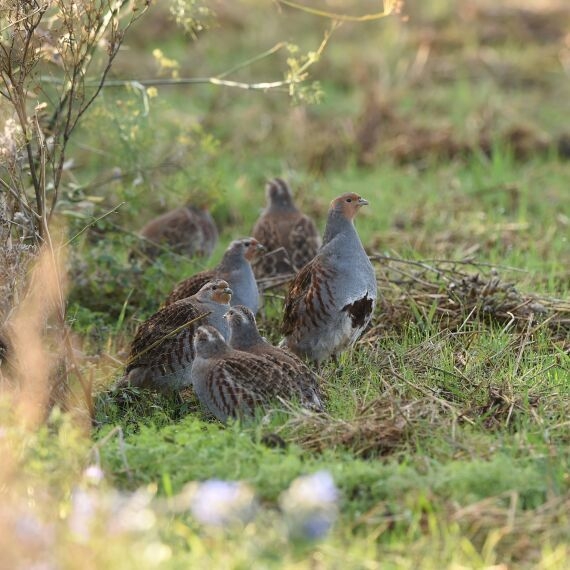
x: 390, y: 7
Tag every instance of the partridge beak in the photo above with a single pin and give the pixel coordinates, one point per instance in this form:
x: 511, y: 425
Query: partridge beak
x: 362, y: 202
x: 228, y: 291
x: 260, y: 247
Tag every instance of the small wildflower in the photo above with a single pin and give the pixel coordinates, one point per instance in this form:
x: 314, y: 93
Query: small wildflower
x: 93, y: 475
x: 132, y: 512
x: 310, y: 505
x: 219, y: 503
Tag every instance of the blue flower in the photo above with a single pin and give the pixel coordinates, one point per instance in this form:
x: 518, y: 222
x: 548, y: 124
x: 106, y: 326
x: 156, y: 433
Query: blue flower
x: 219, y: 503
x: 310, y: 505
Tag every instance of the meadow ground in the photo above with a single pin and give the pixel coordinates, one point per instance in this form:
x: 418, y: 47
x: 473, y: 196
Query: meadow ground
x: 447, y: 432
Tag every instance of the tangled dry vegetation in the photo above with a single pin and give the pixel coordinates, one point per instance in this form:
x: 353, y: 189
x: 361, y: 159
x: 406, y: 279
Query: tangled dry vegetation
x: 443, y: 292
x: 379, y: 427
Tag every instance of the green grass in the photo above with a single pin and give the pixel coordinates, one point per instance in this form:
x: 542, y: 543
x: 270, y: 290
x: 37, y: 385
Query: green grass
x: 449, y: 445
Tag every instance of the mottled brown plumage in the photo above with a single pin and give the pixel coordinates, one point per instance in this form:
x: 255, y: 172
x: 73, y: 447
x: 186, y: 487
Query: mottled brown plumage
x: 162, y: 352
x: 232, y: 383
x: 291, y: 237
x: 188, y: 231
x: 235, y: 268
x: 331, y: 300
x: 245, y: 336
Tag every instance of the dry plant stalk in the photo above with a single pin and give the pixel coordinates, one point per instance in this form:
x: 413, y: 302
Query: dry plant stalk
x: 36, y: 338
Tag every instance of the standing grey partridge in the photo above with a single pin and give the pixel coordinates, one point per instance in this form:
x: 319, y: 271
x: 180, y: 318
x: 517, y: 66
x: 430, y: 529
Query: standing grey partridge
x: 331, y: 300
x: 245, y: 336
x: 188, y: 231
x: 235, y: 268
x: 232, y: 383
x: 162, y: 351
x: 291, y: 237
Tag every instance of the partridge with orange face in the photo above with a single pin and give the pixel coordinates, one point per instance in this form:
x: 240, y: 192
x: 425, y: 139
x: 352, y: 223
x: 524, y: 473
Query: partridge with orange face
x: 291, y: 237
x: 232, y: 383
x: 245, y: 336
x: 162, y: 352
x: 188, y: 231
x: 235, y: 268
x: 331, y: 300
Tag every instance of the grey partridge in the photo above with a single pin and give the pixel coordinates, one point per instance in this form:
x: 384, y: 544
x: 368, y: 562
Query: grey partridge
x: 232, y: 383
x: 245, y: 336
x: 331, y: 300
x: 291, y: 237
x: 235, y: 268
x: 162, y: 352
x: 189, y: 231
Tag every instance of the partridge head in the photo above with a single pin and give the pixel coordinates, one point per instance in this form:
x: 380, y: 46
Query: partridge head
x: 235, y: 268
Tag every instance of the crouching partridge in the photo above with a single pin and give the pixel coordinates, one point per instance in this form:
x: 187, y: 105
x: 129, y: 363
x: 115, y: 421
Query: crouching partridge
x: 291, y: 237
x: 188, y: 231
x: 245, y: 336
x: 162, y: 351
x: 232, y: 383
x: 331, y: 300
x: 235, y: 268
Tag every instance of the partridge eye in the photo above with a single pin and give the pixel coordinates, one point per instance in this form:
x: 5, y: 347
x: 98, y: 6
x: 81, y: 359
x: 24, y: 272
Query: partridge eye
x: 349, y: 199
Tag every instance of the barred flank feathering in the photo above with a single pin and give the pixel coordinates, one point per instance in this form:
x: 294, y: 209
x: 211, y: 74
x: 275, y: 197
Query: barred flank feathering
x: 245, y: 336
x: 234, y: 268
x: 331, y: 300
x: 162, y: 351
x: 232, y: 383
x: 188, y: 230
x: 290, y: 236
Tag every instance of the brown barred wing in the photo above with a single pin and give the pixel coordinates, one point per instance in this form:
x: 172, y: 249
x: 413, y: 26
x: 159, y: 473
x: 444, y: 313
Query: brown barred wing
x: 309, y: 301
x: 265, y: 232
x: 164, y: 340
x: 232, y: 386
x: 236, y: 386
x: 274, y: 263
x: 304, y: 240
x: 300, y: 382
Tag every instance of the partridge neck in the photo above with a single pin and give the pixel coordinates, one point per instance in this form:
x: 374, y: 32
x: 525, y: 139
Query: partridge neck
x: 337, y: 224
x: 243, y: 338
x: 231, y: 260
x: 215, y: 349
